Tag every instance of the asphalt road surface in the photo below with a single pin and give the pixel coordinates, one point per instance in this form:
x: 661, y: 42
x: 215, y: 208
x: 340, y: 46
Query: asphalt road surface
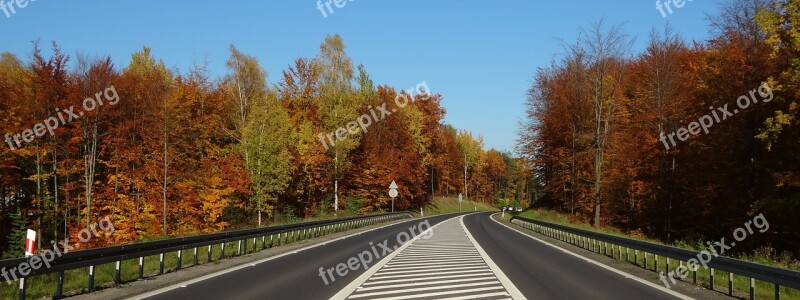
x: 470, y: 258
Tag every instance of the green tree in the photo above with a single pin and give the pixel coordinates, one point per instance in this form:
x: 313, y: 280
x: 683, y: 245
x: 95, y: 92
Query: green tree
x: 267, y: 139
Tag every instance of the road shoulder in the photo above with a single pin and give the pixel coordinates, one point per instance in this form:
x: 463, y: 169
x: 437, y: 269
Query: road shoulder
x: 684, y: 288
x: 171, y: 277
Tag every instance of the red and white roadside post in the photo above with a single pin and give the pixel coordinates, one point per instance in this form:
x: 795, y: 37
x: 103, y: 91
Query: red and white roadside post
x: 30, y: 243
x: 30, y: 249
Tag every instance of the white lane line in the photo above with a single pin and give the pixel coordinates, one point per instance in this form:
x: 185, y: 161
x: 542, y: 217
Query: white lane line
x: 481, y: 296
x: 442, y: 265
x: 510, y: 287
x: 379, y: 277
x: 442, y: 293
x: 427, y: 261
x: 245, y: 265
x: 374, y: 282
x: 443, y: 248
x: 432, y: 288
x: 448, y: 258
x: 350, y: 288
x: 409, y: 251
x: 436, y: 258
x: 489, y: 278
x: 589, y: 260
x: 448, y: 255
x: 384, y: 272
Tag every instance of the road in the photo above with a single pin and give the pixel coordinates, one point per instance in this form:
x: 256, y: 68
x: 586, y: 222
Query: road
x: 473, y: 257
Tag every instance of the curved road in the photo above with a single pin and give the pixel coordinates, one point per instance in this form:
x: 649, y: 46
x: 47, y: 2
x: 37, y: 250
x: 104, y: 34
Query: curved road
x: 536, y: 270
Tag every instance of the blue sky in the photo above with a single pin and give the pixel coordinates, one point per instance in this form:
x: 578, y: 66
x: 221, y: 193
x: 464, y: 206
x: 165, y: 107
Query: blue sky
x: 480, y: 55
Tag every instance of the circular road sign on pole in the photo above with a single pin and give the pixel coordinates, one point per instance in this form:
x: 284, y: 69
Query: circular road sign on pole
x: 393, y: 192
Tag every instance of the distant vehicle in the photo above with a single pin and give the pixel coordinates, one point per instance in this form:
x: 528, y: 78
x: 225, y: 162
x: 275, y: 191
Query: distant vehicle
x: 519, y: 209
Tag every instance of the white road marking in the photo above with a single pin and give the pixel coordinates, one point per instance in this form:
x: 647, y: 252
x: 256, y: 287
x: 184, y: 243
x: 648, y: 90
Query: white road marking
x: 449, y: 264
x: 233, y: 269
x: 589, y: 260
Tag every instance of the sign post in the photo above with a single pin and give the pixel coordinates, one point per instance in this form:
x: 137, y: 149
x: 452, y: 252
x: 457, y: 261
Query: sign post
x: 393, y: 192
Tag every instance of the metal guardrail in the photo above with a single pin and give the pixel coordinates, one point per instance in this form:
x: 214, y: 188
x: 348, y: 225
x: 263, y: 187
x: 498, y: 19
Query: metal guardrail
x: 116, y: 254
x: 598, y: 242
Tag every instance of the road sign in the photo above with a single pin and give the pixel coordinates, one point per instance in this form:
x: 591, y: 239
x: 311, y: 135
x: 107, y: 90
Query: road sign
x: 393, y: 189
x: 460, y: 198
x: 393, y: 192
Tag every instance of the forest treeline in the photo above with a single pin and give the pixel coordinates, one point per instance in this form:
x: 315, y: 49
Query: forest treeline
x: 181, y: 153
x: 596, y: 116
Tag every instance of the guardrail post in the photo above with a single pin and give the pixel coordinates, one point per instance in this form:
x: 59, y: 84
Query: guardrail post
x: 22, y: 288
x: 777, y: 291
x: 752, y: 288
x: 208, y: 257
x: 160, y: 263
x: 239, y: 248
x: 195, y: 256
x: 263, y: 242
x: 730, y: 283
x: 694, y: 275
x: 655, y: 257
x: 91, y: 278
x: 711, y: 270
x: 285, y: 238
x: 222, y: 250
x: 59, y: 285
x: 117, y: 274
x: 667, y: 270
x: 627, y: 254
x: 141, y: 267
x: 180, y: 259
x: 271, y: 240
x: 645, y: 260
x: 245, y: 246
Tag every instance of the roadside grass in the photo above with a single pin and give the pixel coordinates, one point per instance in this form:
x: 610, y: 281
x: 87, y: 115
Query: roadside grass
x: 445, y: 205
x: 77, y: 281
x: 741, y: 284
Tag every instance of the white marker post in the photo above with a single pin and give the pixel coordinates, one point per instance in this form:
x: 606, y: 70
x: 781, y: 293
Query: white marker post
x: 393, y: 192
x: 460, y: 199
